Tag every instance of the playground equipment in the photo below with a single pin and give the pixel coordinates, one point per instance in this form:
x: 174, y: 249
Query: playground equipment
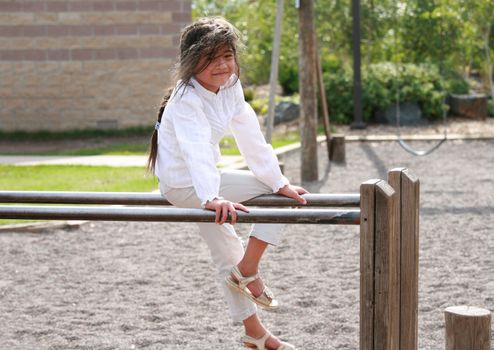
x: 387, y: 212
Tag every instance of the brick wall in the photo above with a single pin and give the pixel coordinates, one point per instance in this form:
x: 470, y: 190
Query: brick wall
x: 76, y: 64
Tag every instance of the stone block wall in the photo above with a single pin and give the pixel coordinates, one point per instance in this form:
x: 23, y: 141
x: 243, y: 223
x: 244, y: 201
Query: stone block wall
x: 79, y: 64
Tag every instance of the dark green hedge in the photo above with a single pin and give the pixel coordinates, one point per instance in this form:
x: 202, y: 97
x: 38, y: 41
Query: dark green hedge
x: 383, y: 84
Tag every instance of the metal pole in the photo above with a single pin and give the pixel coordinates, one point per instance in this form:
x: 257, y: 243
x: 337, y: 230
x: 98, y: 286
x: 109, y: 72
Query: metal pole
x: 294, y: 216
x: 324, y: 102
x: 357, y: 84
x: 273, y: 78
x: 144, y: 198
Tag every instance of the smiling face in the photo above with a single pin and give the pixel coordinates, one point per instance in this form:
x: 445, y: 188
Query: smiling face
x: 219, y: 70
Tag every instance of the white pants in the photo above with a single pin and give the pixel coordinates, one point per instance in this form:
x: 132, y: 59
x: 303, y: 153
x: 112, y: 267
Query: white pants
x: 225, y: 246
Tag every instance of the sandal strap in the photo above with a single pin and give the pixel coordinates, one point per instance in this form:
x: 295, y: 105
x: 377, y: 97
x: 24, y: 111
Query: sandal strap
x: 286, y: 346
x: 260, y: 343
x: 267, y: 292
x: 266, y: 297
x: 243, y: 281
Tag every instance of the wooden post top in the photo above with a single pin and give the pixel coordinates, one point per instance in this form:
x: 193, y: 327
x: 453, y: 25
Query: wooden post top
x: 467, y: 311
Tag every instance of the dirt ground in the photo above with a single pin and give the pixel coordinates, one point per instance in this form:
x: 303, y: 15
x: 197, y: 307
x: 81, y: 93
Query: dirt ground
x: 152, y: 285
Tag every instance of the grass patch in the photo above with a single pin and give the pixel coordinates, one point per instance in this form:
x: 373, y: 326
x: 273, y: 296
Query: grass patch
x: 120, y: 150
x: 229, y: 147
x: 124, y: 149
x: 286, y: 140
x: 74, y: 178
x: 114, y: 150
x: 47, y: 135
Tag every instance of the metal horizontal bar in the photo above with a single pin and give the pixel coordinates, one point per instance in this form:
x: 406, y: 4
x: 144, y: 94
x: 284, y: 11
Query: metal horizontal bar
x: 109, y: 213
x: 143, y: 198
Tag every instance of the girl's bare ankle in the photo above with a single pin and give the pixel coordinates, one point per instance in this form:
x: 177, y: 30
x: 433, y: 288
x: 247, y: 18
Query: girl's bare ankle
x: 247, y: 269
x: 254, y: 327
x: 256, y: 332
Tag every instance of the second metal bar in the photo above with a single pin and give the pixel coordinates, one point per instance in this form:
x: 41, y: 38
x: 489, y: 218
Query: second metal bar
x: 109, y: 213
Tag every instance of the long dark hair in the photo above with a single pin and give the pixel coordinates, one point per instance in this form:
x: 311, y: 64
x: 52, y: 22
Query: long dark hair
x: 203, y: 38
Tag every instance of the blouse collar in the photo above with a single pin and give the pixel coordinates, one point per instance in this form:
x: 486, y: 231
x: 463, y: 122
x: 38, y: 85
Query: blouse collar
x: 209, y: 94
x: 203, y: 91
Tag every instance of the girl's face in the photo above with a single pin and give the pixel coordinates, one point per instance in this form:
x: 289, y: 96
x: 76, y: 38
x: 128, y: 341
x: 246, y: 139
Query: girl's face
x: 218, y: 71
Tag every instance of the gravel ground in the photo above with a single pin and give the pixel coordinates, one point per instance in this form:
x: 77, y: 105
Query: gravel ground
x: 152, y: 286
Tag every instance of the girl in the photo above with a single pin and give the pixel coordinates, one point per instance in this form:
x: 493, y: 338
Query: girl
x: 206, y: 100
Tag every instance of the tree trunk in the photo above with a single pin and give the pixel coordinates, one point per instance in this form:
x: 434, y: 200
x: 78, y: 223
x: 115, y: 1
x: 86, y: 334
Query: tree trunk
x: 308, y: 95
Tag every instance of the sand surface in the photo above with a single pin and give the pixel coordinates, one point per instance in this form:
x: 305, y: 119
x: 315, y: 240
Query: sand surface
x: 152, y: 285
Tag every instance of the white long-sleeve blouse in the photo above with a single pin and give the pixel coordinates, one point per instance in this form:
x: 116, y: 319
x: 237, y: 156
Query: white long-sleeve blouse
x: 193, y: 122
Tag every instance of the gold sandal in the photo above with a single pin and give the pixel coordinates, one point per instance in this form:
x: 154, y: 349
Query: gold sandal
x: 266, y: 300
x: 260, y: 343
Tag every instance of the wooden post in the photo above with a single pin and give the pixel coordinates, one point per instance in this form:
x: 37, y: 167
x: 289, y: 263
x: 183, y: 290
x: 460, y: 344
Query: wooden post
x: 407, y: 187
x: 367, y: 233
x: 337, y: 150
x: 386, y: 269
x: 308, y: 96
x: 379, y: 267
x: 467, y: 328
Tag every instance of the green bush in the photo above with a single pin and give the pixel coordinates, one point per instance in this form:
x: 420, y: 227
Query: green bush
x: 455, y: 83
x: 249, y: 94
x: 381, y: 85
x: 288, y: 78
x: 385, y: 83
x: 261, y: 105
x: 490, y: 107
x: 339, y: 94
